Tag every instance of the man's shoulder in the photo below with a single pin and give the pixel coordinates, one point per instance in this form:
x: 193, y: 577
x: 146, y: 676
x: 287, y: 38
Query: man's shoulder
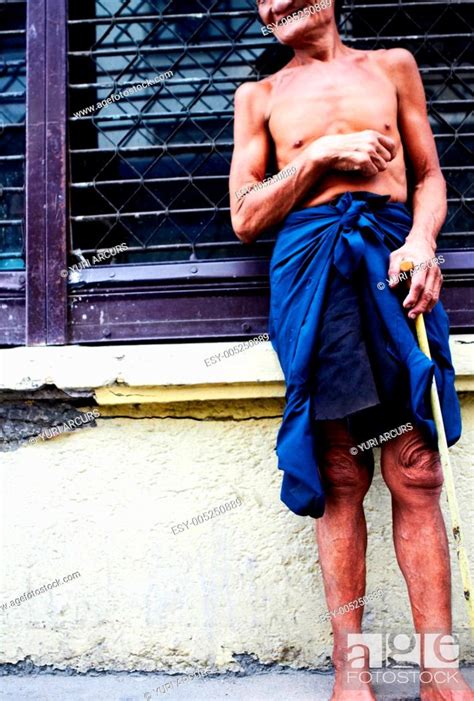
x: 253, y: 98
x: 254, y: 89
x: 395, y: 60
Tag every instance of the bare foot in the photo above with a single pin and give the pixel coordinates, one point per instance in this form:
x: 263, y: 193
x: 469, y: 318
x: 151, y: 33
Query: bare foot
x: 444, y: 685
x: 350, y: 685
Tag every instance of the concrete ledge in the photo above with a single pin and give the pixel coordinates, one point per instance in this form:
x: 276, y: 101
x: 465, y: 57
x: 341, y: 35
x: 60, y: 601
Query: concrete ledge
x: 271, y: 686
x: 170, y: 372
x: 119, y: 394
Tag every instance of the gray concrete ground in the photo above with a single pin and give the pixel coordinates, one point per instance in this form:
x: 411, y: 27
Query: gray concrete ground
x: 272, y: 686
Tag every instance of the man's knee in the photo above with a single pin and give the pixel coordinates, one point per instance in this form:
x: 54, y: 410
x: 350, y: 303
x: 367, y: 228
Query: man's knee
x: 414, y: 466
x: 345, y: 473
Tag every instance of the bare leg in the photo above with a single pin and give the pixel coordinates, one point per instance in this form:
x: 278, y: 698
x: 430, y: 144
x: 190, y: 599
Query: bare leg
x: 342, y: 541
x: 413, y: 474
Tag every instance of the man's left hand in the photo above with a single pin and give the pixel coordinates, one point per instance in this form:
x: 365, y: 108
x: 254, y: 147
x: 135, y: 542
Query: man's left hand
x: 426, y: 281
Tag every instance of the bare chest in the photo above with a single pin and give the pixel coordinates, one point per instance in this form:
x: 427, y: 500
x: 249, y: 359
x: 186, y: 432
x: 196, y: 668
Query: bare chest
x: 309, y: 103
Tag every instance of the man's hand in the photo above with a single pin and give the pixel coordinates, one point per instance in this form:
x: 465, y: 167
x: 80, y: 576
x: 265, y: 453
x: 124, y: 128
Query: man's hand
x: 426, y: 281
x: 367, y: 152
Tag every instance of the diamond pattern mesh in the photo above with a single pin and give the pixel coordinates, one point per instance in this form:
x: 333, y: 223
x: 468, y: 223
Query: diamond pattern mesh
x: 151, y: 169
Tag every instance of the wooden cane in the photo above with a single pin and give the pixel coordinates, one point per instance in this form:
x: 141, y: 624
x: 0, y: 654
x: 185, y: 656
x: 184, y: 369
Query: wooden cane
x: 407, y: 266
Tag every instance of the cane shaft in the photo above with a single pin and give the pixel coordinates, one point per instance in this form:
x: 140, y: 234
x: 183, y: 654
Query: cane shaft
x: 448, y: 476
x: 446, y: 467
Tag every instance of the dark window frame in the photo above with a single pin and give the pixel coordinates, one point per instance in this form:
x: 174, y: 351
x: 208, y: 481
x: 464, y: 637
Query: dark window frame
x: 181, y: 301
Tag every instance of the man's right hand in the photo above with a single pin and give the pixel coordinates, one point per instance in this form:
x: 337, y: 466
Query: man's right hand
x: 367, y: 152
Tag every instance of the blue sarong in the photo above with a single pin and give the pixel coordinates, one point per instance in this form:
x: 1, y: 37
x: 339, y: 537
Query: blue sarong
x: 356, y: 233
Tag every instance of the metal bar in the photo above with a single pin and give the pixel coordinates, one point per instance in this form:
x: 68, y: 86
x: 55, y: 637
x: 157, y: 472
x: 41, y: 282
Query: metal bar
x: 12, y: 158
x: 35, y: 173
x: 210, y: 144
x: 228, y: 244
x: 234, y: 78
x: 188, y: 178
x: 134, y: 215
x: 451, y: 103
x: 189, y: 270
x: 114, y: 19
x: 16, y: 62
x: 150, y: 117
x: 56, y: 183
x: 12, y: 95
x: 159, y: 212
x: 203, y: 145
x: 9, y: 32
x: 197, y: 178
x: 12, y: 280
x: 203, y: 47
x: 236, y: 269
x: 234, y: 243
x: 453, y: 234
x: 176, y: 81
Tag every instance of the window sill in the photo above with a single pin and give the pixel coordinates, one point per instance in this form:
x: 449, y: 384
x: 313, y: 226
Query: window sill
x: 169, y: 372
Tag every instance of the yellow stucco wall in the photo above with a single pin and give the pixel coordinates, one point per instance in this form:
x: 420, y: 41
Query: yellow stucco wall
x: 103, y: 501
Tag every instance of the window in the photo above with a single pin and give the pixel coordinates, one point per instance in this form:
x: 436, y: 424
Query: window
x: 12, y: 165
x: 149, y: 170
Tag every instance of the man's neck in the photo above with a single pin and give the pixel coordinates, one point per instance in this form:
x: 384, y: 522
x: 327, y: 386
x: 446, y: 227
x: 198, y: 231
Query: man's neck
x: 324, y: 46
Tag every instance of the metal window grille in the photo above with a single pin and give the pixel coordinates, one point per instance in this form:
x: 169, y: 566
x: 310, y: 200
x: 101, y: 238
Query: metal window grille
x: 152, y: 169
x: 12, y: 134
x: 440, y: 36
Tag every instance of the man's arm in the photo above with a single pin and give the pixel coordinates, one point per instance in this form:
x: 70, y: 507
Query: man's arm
x: 367, y: 152
x: 260, y: 209
x: 429, y: 196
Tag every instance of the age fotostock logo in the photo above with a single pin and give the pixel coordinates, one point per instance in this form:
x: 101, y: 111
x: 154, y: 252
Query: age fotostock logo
x: 437, y: 655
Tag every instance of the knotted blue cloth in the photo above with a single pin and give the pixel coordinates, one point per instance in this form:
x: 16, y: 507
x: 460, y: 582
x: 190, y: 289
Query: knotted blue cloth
x: 356, y: 232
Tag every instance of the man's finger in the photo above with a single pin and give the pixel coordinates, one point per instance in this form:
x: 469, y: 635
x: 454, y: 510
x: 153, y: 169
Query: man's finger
x: 388, y: 143
x: 428, y: 297
x: 416, y: 291
x: 439, y: 285
x: 434, y: 281
x: 423, y: 303
x: 379, y: 162
x: 394, y: 270
x: 384, y: 153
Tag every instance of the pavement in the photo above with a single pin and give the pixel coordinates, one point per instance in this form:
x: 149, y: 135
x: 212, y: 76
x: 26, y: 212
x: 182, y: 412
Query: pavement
x: 269, y: 686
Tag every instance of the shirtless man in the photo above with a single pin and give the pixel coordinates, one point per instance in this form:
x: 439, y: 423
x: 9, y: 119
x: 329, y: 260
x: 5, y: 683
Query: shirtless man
x: 350, y: 120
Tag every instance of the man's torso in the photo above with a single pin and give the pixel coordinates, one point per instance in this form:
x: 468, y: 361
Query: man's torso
x: 349, y: 95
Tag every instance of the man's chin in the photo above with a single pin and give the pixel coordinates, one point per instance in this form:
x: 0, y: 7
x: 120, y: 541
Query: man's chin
x: 299, y: 31
x: 287, y: 32
x: 293, y: 36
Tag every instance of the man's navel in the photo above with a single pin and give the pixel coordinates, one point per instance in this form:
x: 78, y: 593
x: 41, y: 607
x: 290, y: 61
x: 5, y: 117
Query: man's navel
x: 298, y: 143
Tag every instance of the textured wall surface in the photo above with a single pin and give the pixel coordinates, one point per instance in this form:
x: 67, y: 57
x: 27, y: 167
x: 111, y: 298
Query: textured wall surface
x: 102, y: 501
